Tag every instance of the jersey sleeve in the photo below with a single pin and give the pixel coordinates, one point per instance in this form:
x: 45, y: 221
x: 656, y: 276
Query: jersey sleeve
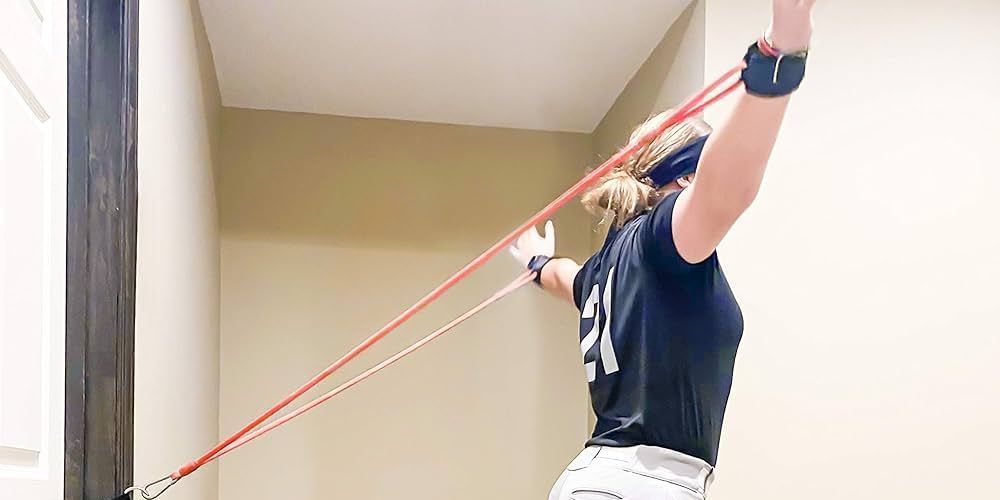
x: 578, y: 288
x: 657, y: 238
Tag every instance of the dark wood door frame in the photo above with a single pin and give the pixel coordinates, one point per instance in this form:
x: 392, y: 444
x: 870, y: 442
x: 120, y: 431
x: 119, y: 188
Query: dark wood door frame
x: 101, y: 246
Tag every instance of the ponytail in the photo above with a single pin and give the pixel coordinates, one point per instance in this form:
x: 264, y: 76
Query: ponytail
x: 619, y: 194
x: 625, y: 192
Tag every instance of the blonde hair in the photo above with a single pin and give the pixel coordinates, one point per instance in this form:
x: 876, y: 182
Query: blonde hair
x: 625, y: 192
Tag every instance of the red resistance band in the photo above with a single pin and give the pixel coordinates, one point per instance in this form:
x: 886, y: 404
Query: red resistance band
x: 693, y: 106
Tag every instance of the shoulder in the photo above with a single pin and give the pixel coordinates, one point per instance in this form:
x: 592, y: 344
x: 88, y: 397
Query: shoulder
x: 656, y: 239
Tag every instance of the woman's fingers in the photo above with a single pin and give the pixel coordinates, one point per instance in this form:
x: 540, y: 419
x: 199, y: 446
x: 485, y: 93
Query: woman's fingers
x: 791, y: 25
x: 795, y: 3
x: 515, y: 253
x: 532, y: 243
x: 526, y: 237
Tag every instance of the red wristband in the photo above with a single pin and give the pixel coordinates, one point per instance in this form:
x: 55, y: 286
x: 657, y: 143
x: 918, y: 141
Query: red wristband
x: 766, y: 48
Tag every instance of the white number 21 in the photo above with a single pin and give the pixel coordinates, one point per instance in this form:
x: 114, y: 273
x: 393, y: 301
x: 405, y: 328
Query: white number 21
x: 591, y: 310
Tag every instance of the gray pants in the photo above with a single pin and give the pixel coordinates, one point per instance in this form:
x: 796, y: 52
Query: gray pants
x: 633, y: 473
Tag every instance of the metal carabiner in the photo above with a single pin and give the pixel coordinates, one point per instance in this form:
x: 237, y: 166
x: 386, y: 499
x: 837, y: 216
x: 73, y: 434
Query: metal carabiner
x: 146, y: 491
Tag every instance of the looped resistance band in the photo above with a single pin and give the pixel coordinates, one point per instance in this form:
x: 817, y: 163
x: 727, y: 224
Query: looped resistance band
x: 693, y: 106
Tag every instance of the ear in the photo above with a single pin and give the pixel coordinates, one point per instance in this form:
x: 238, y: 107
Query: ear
x: 685, y: 181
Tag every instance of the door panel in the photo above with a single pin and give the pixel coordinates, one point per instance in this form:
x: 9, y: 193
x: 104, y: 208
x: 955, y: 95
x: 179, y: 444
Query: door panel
x: 32, y: 246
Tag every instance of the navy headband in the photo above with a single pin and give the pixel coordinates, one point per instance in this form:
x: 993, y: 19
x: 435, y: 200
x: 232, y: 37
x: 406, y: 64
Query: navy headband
x: 678, y: 164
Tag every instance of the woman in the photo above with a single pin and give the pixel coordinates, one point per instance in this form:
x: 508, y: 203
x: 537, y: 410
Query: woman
x: 659, y: 323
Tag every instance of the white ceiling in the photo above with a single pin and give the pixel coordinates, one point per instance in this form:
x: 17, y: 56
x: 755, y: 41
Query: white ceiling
x: 533, y: 64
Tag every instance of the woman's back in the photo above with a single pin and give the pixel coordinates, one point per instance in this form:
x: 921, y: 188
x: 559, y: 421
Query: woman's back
x: 659, y: 338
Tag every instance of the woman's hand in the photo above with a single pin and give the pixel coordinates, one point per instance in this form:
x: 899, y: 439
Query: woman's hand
x: 530, y: 244
x: 558, y: 274
x: 791, y: 25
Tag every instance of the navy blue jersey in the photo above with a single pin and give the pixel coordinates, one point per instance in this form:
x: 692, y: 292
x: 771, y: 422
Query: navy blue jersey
x: 659, y: 339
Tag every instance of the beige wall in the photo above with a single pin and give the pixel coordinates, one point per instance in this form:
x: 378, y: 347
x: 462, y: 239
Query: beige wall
x: 177, y: 288
x: 867, y: 269
x: 332, y: 226
x: 389, y: 183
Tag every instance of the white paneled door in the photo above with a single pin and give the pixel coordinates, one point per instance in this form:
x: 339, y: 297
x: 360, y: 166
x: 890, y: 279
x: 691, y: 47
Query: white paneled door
x: 32, y: 247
